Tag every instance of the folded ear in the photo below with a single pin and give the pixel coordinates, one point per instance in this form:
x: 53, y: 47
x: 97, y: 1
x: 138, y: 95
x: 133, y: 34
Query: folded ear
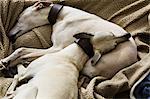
x: 41, y: 4
x: 83, y: 35
x: 46, y: 3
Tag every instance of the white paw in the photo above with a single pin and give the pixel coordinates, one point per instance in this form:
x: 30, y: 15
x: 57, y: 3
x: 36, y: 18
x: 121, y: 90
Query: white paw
x: 2, y: 66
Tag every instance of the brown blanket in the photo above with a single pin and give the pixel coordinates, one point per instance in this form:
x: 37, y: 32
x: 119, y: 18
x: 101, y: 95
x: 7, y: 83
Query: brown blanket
x: 9, y: 10
x: 132, y: 15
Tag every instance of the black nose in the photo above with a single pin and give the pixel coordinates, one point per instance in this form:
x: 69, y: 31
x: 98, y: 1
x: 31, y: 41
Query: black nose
x: 12, y: 36
x: 123, y: 38
x: 128, y: 35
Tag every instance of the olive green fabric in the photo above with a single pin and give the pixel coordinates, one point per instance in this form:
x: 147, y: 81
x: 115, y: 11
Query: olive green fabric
x: 132, y: 15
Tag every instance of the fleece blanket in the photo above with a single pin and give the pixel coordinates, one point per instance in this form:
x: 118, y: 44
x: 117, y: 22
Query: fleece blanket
x: 132, y: 15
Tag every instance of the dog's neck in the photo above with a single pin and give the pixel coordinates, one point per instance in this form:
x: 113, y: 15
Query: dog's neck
x: 54, y: 12
x: 76, y: 55
x: 61, y: 12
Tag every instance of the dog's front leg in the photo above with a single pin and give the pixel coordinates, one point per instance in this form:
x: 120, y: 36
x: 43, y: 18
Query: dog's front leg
x: 17, y: 57
x: 10, y: 92
x: 23, y: 55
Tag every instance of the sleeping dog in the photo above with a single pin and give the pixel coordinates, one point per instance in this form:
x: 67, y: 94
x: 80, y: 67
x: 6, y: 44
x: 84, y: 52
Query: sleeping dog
x: 69, y: 22
x: 55, y: 75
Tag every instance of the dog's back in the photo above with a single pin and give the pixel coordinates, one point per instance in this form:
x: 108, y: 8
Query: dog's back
x: 55, y: 75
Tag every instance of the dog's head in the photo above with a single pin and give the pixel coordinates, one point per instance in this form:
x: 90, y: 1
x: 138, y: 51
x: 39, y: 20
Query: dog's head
x: 30, y: 18
x: 102, y: 42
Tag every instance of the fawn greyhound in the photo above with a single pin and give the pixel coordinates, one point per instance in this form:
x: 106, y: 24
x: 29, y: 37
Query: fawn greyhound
x: 69, y: 22
x: 55, y: 75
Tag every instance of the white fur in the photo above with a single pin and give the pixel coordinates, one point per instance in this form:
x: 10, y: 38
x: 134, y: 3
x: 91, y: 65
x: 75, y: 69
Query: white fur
x: 55, y: 75
x: 70, y: 21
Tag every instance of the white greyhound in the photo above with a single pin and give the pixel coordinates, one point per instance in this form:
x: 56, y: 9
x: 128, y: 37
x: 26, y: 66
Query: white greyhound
x: 55, y: 75
x: 70, y: 21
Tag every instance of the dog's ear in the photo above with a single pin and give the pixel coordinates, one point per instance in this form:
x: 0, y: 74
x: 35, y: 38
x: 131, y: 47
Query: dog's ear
x: 41, y: 4
x: 46, y: 3
x: 83, y: 35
